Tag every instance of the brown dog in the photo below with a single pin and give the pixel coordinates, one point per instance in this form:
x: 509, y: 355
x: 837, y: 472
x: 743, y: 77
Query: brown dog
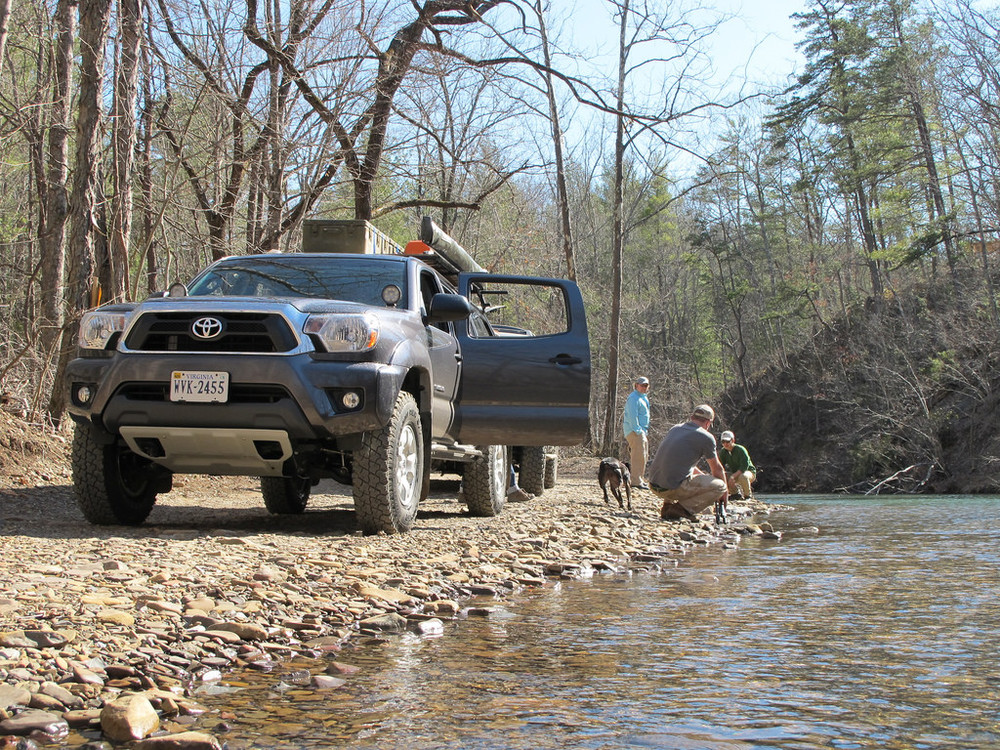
x: 615, y: 474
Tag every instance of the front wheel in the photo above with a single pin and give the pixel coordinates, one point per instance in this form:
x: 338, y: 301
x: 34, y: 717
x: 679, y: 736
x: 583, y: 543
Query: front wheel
x: 285, y: 495
x: 112, y: 484
x: 389, y: 471
x: 485, y: 481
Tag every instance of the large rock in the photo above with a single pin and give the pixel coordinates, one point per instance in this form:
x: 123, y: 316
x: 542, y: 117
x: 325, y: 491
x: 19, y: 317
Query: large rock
x: 395, y: 596
x: 129, y: 717
x: 61, y: 694
x: 248, y: 631
x: 50, y: 724
x: 13, y: 696
x: 390, y: 622
x: 181, y: 741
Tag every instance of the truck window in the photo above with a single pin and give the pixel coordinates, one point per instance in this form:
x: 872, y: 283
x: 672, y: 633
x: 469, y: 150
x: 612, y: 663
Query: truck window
x: 520, y: 309
x: 351, y: 279
x: 479, y: 327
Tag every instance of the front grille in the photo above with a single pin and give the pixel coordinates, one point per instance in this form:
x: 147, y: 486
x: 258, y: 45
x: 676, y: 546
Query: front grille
x: 239, y: 393
x: 251, y: 333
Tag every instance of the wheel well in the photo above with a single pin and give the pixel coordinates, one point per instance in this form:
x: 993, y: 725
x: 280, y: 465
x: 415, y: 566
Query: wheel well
x: 418, y: 384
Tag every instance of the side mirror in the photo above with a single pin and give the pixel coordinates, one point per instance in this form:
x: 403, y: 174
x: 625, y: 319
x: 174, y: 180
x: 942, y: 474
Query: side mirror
x: 448, y: 307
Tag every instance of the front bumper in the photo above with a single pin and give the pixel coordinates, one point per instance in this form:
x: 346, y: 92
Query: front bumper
x: 275, y: 402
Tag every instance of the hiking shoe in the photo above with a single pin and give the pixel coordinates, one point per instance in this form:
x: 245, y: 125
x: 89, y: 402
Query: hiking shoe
x: 519, y: 496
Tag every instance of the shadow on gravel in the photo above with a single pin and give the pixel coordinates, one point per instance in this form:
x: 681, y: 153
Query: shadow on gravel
x: 229, y: 506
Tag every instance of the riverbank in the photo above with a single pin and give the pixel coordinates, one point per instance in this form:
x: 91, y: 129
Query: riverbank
x: 213, y: 583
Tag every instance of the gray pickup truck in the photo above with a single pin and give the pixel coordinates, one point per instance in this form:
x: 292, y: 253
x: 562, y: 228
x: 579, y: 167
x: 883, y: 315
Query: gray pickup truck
x: 372, y: 368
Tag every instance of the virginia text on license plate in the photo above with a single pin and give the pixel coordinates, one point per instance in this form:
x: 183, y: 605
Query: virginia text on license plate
x: 195, y: 385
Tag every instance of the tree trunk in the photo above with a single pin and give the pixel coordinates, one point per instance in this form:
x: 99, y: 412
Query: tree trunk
x: 4, y: 21
x: 617, y: 246
x: 94, y: 20
x: 145, y: 168
x: 562, y: 192
x: 52, y: 232
x: 124, y: 142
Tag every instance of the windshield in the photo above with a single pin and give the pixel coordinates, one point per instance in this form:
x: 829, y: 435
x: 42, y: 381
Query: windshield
x: 352, y: 279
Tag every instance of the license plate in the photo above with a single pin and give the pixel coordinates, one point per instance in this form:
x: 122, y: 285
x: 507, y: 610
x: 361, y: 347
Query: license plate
x: 204, y: 387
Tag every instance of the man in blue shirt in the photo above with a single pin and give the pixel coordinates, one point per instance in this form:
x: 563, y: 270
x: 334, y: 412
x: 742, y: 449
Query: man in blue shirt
x: 636, y: 427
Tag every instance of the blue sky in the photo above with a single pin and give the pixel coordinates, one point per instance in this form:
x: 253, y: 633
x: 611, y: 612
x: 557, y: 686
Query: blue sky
x: 753, y: 48
x: 762, y: 33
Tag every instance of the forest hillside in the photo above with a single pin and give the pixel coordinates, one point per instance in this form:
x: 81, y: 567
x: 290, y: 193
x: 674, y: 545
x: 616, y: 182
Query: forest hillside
x: 897, y: 397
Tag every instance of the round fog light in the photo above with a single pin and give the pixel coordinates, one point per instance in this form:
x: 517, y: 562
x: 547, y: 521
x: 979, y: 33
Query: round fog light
x: 84, y: 394
x: 351, y: 400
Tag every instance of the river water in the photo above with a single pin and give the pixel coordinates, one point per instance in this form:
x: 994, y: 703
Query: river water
x: 878, y: 628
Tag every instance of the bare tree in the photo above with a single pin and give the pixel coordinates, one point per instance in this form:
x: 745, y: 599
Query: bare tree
x: 562, y: 191
x: 362, y: 141
x: 86, y: 231
x: 124, y: 140
x: 4, y: 22
x: 640, y: 29
x: 54, y: 193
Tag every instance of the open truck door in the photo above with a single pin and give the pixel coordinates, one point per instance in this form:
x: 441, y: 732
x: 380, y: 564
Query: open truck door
x: 525, y: 372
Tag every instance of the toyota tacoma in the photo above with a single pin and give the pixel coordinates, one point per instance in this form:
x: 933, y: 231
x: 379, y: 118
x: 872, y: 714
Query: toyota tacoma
x: 370, y: 367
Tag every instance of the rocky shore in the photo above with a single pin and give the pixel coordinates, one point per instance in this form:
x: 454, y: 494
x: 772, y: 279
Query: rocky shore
x: 104, y: 632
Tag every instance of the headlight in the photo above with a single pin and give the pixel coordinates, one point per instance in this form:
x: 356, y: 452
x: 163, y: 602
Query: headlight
x: 97, y: 328
x: 344, y: 333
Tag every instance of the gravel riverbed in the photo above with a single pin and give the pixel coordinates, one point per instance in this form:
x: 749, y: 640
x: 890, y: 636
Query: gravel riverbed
x: 111, y: 628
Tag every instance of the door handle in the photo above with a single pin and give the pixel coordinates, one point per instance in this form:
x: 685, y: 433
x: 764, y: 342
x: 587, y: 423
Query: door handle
x: 565, y: 359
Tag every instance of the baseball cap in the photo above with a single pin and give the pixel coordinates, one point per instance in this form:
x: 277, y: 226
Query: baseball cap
x: 727, y: 436
x: 704, y: 411
x: 642, y: 381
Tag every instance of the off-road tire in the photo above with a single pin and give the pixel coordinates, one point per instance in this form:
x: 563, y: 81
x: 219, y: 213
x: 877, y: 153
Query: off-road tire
x: 552, y: 469
x: 389, y: 471
x: 485, y: 481
x: 285, y: 495
x: 532, y: 475
x: 112, y: 484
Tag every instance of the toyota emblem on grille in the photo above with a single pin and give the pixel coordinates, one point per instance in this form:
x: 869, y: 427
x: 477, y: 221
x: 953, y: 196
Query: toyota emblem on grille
x: 207, y: 328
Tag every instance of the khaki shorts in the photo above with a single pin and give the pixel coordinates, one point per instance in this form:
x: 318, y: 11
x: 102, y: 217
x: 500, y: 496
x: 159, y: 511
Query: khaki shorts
x: 693, y: 496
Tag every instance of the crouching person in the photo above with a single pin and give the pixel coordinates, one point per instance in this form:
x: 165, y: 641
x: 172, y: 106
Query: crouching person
x: 740, y: 471
x: 674, y: 475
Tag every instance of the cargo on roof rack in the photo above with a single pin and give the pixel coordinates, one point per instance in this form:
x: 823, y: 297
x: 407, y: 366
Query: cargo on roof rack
x: 346, y: 236
x: 435, y: 247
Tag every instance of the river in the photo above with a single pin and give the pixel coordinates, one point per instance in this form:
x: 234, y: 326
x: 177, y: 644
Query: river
x: 877, y: 628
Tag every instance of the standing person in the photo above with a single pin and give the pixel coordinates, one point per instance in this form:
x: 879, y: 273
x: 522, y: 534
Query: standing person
x: 674, y: 475
x: 636, y: 426
x: 735, y: 459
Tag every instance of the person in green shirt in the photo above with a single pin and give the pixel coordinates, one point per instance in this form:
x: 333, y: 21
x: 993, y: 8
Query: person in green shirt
x: 740, y: 471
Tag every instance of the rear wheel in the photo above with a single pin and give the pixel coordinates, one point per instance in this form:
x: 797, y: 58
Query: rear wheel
x: 112, y: 484
x: 552, y: 469
x: 532, y: 475
x: 285, y: 495
x: 389, y: 471
x: 485, y: 481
